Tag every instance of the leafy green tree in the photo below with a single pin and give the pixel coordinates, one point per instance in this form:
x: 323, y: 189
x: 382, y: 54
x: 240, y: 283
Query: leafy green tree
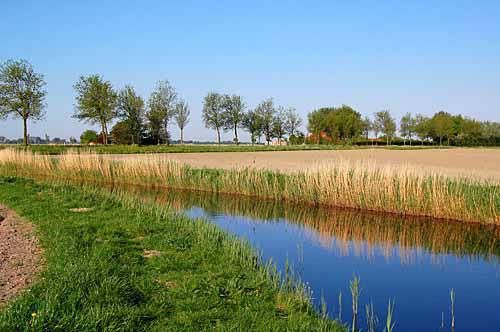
x: 88, y: 136
x: 95, y: 102
x: 130, y: 109
x: 181, y: 116
x: 407, y: 127
x: 155, y: 125
x: 422, y: 127
x: 122, y: 133
x: 233, y: 113
x: 292, y: 122
x: 490, y: 133
x: 161, y: 109
x: 339, y: 123
x: 470, y: 132
x: 279, y: 124
x: 316, y: 122
x: 267, y: 112
x: 367, y: 126
x: 442, y: 126
x: 344, y: 123
x: 252, y: 122
x: 297, y: 138
x: 385, y: 124
x: 213, y: 113
x: 22, y: 93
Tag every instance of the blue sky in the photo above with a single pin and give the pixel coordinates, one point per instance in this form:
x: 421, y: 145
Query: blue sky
x: 406, y: 56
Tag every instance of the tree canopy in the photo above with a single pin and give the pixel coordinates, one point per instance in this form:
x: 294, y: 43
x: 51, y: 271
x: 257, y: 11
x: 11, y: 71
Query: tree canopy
x: 22, y: 93
x: 96, y: 102
x: 130, y: 108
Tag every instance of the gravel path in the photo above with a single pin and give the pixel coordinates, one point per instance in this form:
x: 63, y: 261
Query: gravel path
x: 19, y: 254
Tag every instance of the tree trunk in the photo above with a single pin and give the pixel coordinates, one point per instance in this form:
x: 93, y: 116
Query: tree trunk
x: 182, y: 136
x: 236, y: 134
x: 167, y: 140
x: 104, y: 130
x: 218, y: 136
x: 25, y: 131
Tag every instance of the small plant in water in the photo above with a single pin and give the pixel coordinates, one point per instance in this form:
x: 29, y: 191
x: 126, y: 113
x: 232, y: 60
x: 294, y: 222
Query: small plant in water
x: 324, y: 308
x: 452, y: 299
x: 371, y: 319
x: 340, y: 306
x: 355, y: 291
x: 389, y: 324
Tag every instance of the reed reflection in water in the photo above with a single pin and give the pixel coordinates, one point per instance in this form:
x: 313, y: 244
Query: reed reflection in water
x: 349, y: 231
x: 415, y: 261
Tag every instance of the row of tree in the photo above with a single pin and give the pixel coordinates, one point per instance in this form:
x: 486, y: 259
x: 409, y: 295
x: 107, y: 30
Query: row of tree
x: 97, y: 103
x: 22, y: 95
x: 346, y: 125
x: 452, y: 129
x: 228, y: 113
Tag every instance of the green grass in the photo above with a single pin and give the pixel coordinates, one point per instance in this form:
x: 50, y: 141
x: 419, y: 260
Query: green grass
x: 195, y: 148
x: 97, y: 278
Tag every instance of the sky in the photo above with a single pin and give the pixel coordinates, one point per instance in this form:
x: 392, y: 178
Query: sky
x: 405, y: 56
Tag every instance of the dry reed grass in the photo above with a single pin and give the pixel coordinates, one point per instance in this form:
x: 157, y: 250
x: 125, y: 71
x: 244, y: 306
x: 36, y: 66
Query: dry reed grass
x: 400, y: 190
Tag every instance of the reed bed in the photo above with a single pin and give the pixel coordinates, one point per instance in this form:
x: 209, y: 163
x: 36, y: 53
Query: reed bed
x: 399, y: 190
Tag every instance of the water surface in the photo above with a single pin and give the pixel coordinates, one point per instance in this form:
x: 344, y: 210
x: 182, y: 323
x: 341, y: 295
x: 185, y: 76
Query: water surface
x: 413, y: 261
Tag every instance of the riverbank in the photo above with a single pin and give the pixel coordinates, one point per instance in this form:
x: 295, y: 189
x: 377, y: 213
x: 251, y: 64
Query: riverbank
x: 396, y: 190
x: 116, y: 264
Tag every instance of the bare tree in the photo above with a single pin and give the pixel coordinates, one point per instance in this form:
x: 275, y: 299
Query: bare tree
x: 292, y: 121
x: 21, y: 93
x: 181, y: 116
x: 279, y: 123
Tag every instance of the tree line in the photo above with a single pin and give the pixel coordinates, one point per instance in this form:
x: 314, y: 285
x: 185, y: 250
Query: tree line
x: 139, y: 121
x: 223, y: 112
x: 345, y: 125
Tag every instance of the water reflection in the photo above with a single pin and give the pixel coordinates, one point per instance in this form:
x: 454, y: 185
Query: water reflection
x: 351, y: 232
x: 415, y: 261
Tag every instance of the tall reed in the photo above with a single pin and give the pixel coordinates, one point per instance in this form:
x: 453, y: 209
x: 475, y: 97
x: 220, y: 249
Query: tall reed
x: 403, y: 190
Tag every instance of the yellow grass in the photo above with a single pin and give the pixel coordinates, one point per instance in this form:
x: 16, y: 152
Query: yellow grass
x: 401, y: 190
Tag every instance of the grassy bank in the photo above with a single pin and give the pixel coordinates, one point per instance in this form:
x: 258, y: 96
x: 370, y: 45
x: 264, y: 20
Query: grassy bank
x: 194, y: 148
x: 120, y: 265
x: 403, y: 191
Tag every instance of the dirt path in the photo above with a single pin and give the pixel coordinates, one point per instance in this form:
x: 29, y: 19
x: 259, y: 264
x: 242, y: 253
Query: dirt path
x: 20, y: 254
x: 480, y: 162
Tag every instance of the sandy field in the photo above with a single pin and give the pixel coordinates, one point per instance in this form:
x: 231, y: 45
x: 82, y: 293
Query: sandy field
x: 481, y: 162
